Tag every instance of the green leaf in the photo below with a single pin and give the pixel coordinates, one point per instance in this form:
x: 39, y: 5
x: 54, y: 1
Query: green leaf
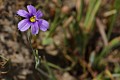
x: 113, y: 18
x: 92, y: 10
x: 117, y: 4
x: 47, y: 41
x: 113, y: 43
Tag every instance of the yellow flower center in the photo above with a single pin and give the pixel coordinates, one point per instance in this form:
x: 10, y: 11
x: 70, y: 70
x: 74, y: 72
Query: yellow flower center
x: 33, y: 19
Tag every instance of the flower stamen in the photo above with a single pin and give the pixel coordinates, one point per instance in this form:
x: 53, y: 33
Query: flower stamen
x: 33, y: 19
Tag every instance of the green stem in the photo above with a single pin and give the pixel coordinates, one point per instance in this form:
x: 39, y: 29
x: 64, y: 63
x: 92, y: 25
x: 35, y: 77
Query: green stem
x: 59, y: 68
x: 43, y: 73
x: 84, y: 45
x: 111, y: 25
x: 29, y: 41
x: 51, y: 74
x: 35, y: 53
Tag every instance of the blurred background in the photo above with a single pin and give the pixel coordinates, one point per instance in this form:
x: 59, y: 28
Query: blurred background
x: 82, y: 42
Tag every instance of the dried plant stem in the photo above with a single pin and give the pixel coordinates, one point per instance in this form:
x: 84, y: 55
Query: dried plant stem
x: 101, y: 27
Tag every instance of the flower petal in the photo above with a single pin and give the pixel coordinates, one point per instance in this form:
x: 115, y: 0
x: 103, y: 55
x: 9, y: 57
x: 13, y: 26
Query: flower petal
x: 24, y: 25
x: 39, y: 14
x: 22, y: 13
x: 43, y: 25
x: 35, y: 28
x: 31, y: 9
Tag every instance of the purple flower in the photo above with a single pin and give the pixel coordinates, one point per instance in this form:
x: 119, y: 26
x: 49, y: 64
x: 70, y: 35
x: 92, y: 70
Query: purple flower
x: 32, y: 19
